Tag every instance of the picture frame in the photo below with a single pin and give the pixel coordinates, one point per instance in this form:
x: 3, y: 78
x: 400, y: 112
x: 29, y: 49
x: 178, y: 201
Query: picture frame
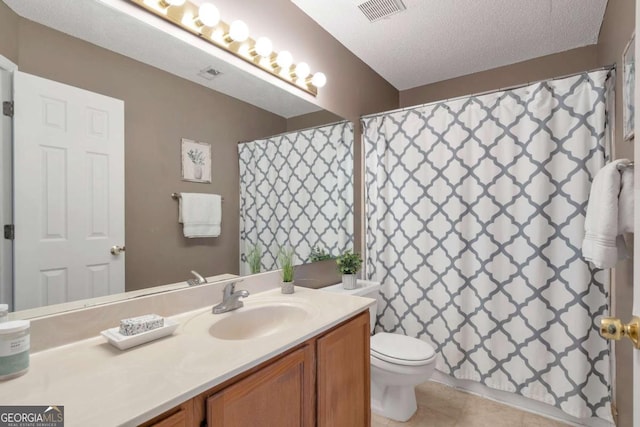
x: 196, y: 161
x: 628, y: 89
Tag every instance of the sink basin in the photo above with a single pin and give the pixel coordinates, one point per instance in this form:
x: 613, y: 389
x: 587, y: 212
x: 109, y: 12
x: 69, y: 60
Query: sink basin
x: 258, y: 321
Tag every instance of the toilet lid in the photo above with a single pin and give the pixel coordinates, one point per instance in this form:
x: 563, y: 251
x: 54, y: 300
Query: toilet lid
x: 396, y: 348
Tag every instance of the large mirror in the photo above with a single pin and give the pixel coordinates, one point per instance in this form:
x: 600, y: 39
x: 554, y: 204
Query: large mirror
x: 169, y: 94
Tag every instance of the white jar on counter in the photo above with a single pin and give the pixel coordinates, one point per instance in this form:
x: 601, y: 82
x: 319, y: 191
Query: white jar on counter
x: 14, y: 348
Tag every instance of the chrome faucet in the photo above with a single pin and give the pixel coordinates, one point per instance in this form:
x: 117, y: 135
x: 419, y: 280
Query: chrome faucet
x: 230, y: 299
x: 198, y: 280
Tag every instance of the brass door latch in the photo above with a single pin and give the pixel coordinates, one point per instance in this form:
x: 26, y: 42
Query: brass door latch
x: 612, y: 328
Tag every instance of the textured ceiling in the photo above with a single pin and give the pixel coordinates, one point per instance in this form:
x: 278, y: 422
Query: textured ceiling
x: 434, y: 40
x: 123, y: 28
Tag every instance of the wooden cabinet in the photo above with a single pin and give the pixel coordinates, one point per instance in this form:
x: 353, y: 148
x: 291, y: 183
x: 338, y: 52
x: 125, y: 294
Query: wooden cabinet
x: 281, y: 394
x: 343, y: 378
x: 323, y: 382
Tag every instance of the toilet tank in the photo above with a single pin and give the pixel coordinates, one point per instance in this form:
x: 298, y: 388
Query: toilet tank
x: 364, y: 288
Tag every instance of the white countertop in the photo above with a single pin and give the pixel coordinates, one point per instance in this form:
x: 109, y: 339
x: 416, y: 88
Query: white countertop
x: 100, y: 385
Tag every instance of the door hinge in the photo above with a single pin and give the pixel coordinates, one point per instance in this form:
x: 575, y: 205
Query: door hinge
x: 9, y: 232
x: 7, y: 108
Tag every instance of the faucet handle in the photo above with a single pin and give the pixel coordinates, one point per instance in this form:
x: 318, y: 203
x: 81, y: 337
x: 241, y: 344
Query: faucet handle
x: 231, y: 287
x: 230, y: 298
x: 199, y: 279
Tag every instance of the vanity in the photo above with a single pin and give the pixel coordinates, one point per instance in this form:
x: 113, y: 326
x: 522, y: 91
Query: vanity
x: 300, y: 359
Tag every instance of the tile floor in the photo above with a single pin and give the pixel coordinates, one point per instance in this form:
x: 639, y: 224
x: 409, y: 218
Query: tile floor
x: 442, y: 406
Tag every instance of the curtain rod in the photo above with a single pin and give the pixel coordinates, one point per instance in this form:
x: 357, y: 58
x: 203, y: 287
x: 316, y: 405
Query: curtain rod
x: 300, y: 130
x: 398, y: 110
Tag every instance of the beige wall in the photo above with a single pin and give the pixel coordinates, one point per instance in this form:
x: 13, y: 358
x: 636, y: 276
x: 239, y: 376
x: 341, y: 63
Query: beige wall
x: 312, y: 119
x: 559, y: 64
x: 160, y: 109
x: 8, y: 33
x: 615, y: 33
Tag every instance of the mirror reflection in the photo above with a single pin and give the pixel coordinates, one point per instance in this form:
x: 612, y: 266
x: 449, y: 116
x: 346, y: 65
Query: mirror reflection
x: 296, y: 191
x: 94, y: 214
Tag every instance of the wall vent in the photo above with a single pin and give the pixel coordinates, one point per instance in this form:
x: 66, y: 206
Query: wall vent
x: 209, y: 73
x: 375, y: 10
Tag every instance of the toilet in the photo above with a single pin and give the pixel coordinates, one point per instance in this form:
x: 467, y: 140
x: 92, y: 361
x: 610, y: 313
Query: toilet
x: 398, y: 362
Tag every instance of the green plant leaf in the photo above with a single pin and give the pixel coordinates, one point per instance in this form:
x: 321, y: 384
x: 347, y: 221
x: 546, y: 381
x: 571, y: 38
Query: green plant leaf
x: 349, y: 263
x: 285, y: 261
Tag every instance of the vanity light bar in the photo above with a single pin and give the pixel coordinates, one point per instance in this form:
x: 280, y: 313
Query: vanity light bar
x: 204, y: 22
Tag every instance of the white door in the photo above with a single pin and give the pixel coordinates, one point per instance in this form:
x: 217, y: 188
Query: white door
x: 6, y: 264
x: 69, y: 193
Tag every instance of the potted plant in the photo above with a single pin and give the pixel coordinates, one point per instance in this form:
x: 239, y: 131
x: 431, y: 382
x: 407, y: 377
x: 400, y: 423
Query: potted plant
x: 348, y: 264
x: 318, y: 254
x: 285, y: 260
x: 254, y: 258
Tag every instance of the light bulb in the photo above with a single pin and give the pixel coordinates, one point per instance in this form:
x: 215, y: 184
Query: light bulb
x: 302, y: 70
x: 263, y: 47
x: 239, y: 31
x: 208, y: 15
x: 319, y: 80
x: 284, y: 59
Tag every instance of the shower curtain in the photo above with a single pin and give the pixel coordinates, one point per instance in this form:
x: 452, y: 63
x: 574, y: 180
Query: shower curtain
x: 474, y: 219
x: 296, y: 190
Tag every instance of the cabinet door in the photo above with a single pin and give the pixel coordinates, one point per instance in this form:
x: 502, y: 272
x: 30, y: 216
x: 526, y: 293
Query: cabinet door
x: 279, y: 395
x: 343, y: 375
x: 182, y: 417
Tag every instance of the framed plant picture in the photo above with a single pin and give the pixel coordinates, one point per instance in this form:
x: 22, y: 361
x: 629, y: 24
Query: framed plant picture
x: 196, y: 161
x: 628, y: 89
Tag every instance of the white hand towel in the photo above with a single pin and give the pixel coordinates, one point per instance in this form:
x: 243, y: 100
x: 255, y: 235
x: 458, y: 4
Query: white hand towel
x: 603, y: 244
x: 200, y: 214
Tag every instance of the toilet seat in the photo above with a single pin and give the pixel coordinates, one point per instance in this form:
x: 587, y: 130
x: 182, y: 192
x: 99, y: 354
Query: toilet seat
x: 401, y: 349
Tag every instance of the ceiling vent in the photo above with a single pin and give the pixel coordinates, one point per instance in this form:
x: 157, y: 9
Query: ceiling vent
x: 209, y: 73
x: 375, y: 10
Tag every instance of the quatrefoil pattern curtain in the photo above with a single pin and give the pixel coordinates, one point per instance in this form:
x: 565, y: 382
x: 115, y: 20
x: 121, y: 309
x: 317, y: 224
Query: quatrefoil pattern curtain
x: 296, y: 190
x: 475, y: 215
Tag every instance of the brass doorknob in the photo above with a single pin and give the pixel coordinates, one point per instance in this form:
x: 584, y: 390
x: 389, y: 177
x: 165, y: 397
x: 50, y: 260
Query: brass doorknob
x: 117, y: 250
x: 612, y: 328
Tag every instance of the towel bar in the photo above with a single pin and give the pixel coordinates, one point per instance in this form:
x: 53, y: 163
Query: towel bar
x: 622, y: 166
x: 176, y: 196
